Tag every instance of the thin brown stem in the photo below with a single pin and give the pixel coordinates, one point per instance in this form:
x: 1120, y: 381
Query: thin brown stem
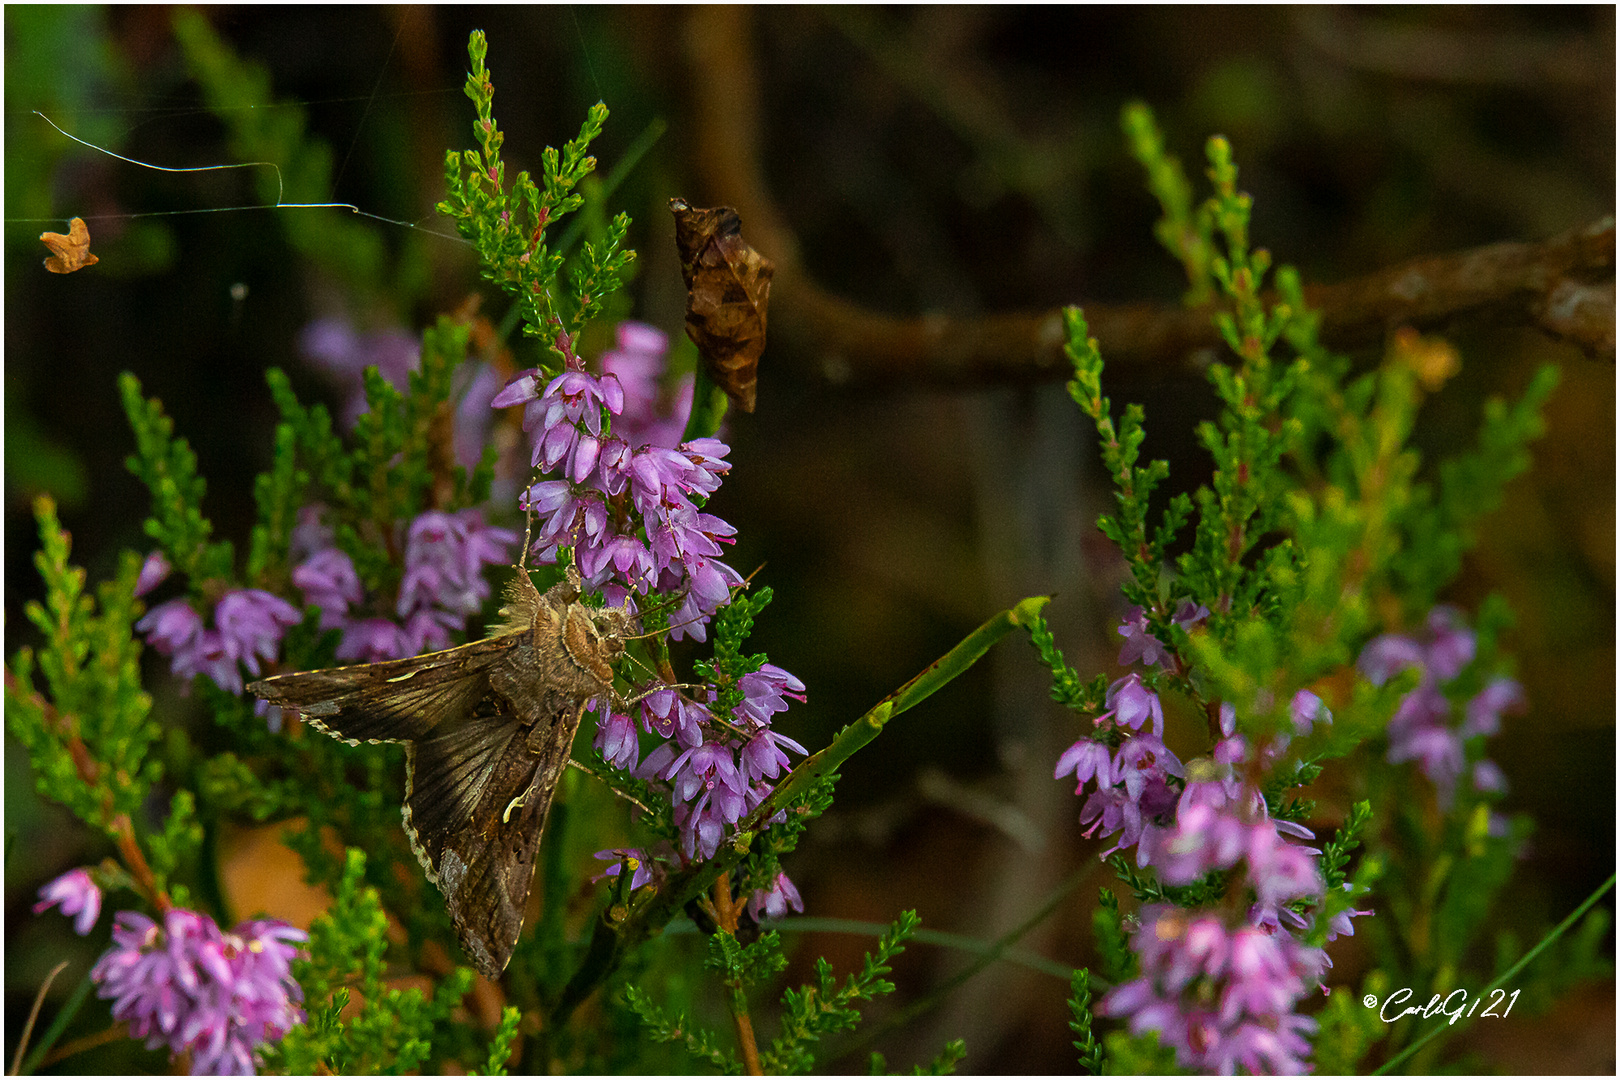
x: 725, y: 916
x: 119, y: 1030
x: 33, y: 1015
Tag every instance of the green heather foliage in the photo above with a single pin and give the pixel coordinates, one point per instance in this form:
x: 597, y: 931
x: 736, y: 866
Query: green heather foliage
x: 1318, y: 527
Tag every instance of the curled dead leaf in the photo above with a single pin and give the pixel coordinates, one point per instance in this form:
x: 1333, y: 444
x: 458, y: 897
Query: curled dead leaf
x: 70, y: 252
x: 728, y: 289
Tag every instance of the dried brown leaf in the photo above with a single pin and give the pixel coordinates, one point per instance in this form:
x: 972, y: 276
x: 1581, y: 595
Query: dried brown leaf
x: 728, y: 289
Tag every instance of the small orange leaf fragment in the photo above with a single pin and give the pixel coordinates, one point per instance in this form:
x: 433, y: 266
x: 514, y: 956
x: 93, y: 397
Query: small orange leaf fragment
x: 70, y: 252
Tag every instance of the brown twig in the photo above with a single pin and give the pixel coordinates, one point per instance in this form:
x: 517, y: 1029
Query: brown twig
x: 725, y: 916
x: 1564, y: 286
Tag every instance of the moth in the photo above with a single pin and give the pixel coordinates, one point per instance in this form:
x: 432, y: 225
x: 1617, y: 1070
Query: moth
x: 69, y: 251
x: 487, y: 728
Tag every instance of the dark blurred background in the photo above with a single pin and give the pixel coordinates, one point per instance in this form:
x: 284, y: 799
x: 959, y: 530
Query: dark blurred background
x: 961, y: 161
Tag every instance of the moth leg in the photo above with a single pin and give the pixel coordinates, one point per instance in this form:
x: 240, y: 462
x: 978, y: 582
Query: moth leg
x: 607, y: 782
x: 625, y: 704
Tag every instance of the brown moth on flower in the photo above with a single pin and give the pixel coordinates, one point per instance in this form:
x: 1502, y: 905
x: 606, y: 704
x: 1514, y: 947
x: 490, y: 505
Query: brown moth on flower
x: 728, y: 290
x: 487, y: 728
x: 70, y: 252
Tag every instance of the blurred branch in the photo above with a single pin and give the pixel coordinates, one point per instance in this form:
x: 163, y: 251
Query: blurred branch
x: 1564, y: 286
x: 1452, y: 54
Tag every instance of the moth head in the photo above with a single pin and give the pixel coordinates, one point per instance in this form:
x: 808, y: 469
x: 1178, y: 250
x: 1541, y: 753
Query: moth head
x: 612, y: 626
x: 595, y: 637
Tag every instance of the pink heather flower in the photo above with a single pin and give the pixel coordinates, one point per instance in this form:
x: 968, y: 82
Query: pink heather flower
x: 370, y: 640
x: 1143, y: 760
x: 1201, y: 839
x: 705, y: 768
x: 1189, y: 614
x: 1387, y: 655
x: 616, y: 741
x: 1140, y: 645
x: 171, y: 627
x: 473, y: 420
x: 251, y: 623
x: 1307, y: 709
x: 1452, y: 647
x: 651, y: 417
x: 1278, y: 870
x: 1485, y: 709
x: 153, y: 571
x: 591, y: 466
x: 1340, y: 925
x: 1421, y: 729
x: 765, y: 692
x: 764, y: 756
x: 187, y: 986
x: 775, y: 902
x: 521, y: 390
x: 328, y: 581
x: 1488, y: 776
x: 628, y: 501
x: 701, y: 828
x: 1086, y: 759
x: 78, y: 896
x: 1130, y: 704
x: 666, y: 714
x: 445, y: 556
x: 311, y: 534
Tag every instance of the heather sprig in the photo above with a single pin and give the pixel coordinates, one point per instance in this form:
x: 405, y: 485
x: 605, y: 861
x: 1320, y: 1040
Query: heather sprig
x: 1090, y: 1060
x: 395, y: 1029
x: 812, y: 1012
x: 1313, y: 520
x: 507, y: 225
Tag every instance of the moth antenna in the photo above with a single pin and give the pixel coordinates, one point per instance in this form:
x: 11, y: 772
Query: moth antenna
x: 637, y: 661
x: 528, y: 518
x: 675, y: 626
x: 696, y: 618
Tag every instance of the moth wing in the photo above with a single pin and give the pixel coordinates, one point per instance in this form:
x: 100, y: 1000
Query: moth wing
x: 475, y: 840
x: 392, y: 700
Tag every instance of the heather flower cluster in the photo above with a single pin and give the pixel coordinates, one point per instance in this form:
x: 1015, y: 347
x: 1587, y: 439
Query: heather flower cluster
x: 1221, y: 989
x: 716, y: 774
x: 445, y: 556
x: 630, y: 511
x: 1423, y: 729
x: 248, y: 627
x: 185, y: 985
x: 628, y: 500
x: 1223, y: 997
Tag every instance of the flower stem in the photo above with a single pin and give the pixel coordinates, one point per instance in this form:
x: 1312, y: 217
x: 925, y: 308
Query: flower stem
x: 725, y: 911
x: 33, y: 1015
